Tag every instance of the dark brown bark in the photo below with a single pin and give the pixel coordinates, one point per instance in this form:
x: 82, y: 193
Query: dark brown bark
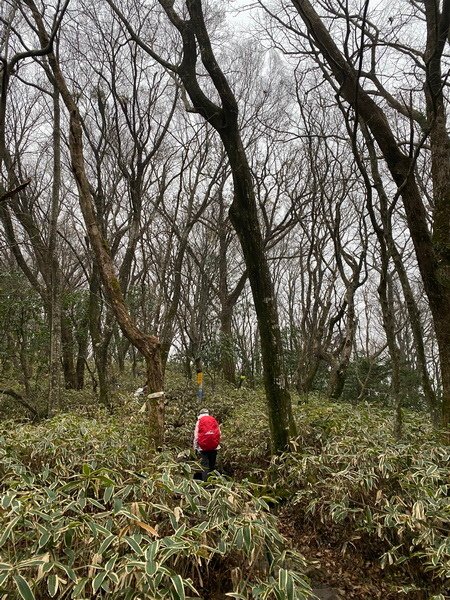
x: 387, y: 306
x: 68, y: 354
x: 55, y: 286
x: 433, y: 253
x: 45, y: 256
x: 167, y: 332
x: 438, y: 24
x: 387, y: 244
x: 82, y: 353
x: 11, y: 193
x: 100, y: 342
x: 181, y: 230
x: 226, y: 345
x: 23, y: 401
x: 244, y: 218
x: 148, y: 345
x: 243, y: 212
x: 227, y: 299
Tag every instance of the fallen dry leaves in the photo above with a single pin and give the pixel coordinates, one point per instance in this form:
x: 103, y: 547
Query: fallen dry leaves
x: 339, y: 575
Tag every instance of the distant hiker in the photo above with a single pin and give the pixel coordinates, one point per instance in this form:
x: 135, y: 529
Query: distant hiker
x: 206, y: 441
x: 140, y: 391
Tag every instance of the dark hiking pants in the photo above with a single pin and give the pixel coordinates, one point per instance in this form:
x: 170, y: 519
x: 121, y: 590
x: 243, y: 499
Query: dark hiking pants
x: 208, y: 461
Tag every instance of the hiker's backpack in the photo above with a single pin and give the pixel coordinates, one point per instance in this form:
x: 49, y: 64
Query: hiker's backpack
x: 208, y: 433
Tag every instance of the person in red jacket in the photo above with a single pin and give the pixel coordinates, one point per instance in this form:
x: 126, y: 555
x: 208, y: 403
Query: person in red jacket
x: 206, y: 441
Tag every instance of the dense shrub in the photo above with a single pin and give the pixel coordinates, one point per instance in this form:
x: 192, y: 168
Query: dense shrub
x: 246, y: 437
x: 85, y: 513
x: 354, y: 484
x: 245, y: 445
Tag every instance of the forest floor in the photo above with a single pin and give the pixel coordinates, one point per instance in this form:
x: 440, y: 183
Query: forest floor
x: 334, y: 575
x: 337, y: 577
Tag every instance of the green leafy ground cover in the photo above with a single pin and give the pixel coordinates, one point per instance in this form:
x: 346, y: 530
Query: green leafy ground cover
x: 353, y: 486
x: 85, y: 512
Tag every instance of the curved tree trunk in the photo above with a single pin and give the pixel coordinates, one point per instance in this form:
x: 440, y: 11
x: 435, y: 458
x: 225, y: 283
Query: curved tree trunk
x: 148, y: 345
x: 244, y: 218
x: 432, y: 251
x: 243, y: 212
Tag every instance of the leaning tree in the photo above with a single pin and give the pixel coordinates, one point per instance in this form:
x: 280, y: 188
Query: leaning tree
x: 407, y: 122
x: 219, y: 108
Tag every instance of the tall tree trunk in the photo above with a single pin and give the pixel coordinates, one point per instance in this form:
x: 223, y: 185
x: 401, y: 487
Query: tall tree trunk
x: 243, y: 212
x: 99, y: 343
x: 82, y: 339
x: 432, y: 252
x: 227, y: 360
x: 122, y: 347
x: 340, y: 367
x: 228, y: 363
x: 386, y: 303
x: 55, y: 296
x: 101, y: 363
x: 227, y: 299
x: 385, y: 237
x: 167, y: 332
x: 82, y: 353
x: 244, y: 219
x: 68, y: 358
x: 24, y: 361
x: 148, y: 345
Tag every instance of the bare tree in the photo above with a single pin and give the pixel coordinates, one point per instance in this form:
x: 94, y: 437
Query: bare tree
x: 11, y: 170
x: 148, y: 345
x: 195, y: 42
x: 345, y: 70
